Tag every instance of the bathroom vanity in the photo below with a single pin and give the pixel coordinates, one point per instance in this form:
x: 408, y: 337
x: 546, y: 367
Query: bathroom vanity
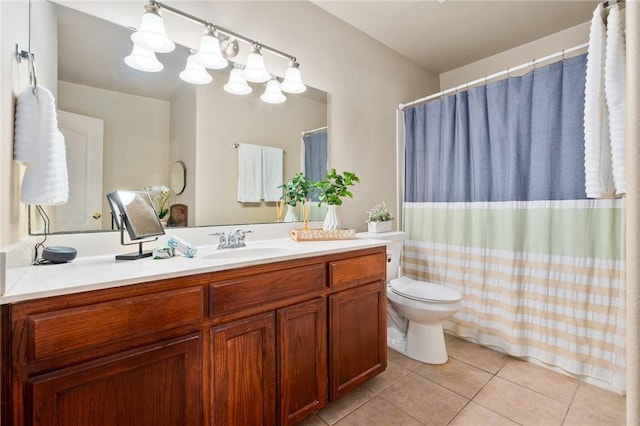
x: 267, y: 343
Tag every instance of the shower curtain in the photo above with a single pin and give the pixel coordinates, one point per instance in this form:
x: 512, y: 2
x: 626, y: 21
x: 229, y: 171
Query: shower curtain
x: 495, y: 207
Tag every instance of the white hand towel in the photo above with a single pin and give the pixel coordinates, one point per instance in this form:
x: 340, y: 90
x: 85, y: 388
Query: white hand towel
x: 249, y: 173
x: 272, y: 172
x: 597, y: 154
x: 40, y: 146
x: 614, y: 89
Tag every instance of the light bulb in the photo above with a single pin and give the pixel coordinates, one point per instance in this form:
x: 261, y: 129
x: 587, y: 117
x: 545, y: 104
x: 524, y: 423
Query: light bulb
x: 143, y: 60
x: 151, y: 34
x: 292, y: 79
x: 255, y: 70
x: 273, y: 94
x: 195, y: 73
x: 237, y: 85
x: 209, y: 54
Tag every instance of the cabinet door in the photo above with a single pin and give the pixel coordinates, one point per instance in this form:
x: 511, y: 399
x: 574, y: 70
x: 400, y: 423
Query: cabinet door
x: 357, y: 345
x: 302, y: 362
x: 155, y: 385
x: 243, y: 366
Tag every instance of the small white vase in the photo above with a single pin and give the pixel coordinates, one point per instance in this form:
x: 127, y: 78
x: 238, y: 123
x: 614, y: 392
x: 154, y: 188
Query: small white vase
x: 291, y: 215
x: 331, y: 220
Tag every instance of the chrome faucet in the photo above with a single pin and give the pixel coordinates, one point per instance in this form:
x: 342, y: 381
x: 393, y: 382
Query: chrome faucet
x: 233, y: 239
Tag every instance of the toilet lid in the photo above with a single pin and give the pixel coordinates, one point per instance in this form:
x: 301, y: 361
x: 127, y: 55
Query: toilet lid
x: 424, y: 291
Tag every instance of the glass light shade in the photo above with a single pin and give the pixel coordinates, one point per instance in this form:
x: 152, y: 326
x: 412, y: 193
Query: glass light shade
x: 143, y: 59
x: 195, y: 73
x: 292, y: 80
x: 237, y: 85
x: 255, y: 70
x: 209, y: 54
x: 272, y: 94
x: 151, y: 33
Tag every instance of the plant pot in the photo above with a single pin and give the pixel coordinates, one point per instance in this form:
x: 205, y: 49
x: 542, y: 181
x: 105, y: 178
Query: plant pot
x: 291, y: 215
x: 331, y: 220
x: 378, y: 227
x: 164, y: 222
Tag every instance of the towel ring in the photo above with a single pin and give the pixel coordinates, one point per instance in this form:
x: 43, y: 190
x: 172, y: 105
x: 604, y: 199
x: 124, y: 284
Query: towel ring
x: 31, y: 58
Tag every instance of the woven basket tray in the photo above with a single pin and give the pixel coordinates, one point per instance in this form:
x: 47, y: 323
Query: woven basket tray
x: 322, y: 235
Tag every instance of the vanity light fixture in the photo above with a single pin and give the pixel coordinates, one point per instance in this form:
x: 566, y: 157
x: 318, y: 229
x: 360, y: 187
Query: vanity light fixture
x: 143, y: 59
x: 237, y: 85
x: 214, y: 52
x: 273, y: 94
x: 152, y: 34
x: 195, y: 73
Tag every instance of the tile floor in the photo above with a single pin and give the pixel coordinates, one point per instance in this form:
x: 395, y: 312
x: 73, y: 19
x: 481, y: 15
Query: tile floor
x: 477, y: 387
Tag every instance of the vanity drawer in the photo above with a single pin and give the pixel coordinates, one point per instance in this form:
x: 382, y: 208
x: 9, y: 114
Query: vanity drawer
x: 82, y: 327
x: 357, y: 270
x: 265, y: 289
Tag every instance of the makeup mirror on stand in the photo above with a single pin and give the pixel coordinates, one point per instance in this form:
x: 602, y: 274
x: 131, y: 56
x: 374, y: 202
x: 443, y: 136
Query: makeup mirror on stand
x: 134, y: 211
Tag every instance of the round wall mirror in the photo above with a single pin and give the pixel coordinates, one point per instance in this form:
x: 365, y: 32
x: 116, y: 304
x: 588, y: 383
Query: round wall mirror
x: 178, y: 178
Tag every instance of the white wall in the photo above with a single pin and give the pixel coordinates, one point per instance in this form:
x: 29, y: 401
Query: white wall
x: 139, y: 151
x: 540, y: 48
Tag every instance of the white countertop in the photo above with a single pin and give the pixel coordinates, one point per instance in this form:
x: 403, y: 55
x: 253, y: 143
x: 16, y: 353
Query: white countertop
x: 100, y: 272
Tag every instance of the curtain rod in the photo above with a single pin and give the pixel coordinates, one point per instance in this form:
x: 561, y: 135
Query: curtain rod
x: 308, y: 132
x: 402, y: 107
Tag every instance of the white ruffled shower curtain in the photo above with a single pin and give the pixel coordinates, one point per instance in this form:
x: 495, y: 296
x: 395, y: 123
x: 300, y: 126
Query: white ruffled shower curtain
x: 495, y: 207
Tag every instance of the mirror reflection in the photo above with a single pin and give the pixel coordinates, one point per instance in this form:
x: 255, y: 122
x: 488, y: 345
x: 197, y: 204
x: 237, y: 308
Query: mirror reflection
x: 125, y: 129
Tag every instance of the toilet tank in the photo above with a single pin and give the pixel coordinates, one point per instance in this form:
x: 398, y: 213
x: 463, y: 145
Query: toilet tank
x: 395, y: 242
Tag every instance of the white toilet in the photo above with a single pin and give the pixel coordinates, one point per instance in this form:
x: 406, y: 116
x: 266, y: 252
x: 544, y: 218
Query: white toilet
x: 416, y: 309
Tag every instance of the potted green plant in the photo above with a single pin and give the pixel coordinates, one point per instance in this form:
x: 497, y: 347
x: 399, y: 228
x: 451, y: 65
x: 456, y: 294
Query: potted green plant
x: 331, y: 190
x: 379, y: 219
x: 295, y: 191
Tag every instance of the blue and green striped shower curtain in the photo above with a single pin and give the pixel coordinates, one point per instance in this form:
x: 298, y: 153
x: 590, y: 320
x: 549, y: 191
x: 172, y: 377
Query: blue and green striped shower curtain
x: 495, y: 207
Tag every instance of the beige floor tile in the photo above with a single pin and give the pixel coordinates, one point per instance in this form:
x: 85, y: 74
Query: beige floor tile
x: 475, y: 415
x: 378, y: 412
x: 401, y: 360
x: 542, y: 380
x: 520, y: 404
x: 392, y: 374
x: 313, y: 420
x: 476, y: 355
x: 336, y: 410
x: 577, y: 417
x: 424, y: 400
x: 601, y: 403
x: 457, y: 376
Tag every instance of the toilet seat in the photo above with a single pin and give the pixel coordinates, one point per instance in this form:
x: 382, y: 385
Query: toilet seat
x: 424, y: 291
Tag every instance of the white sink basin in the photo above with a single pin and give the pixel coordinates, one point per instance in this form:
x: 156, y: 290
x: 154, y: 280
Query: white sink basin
x: 248, y: 253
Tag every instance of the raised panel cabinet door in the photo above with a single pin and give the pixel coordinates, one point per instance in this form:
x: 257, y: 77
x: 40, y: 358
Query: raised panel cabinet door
x: 155, y: 385
x: 243, y: 365
x: 302, y: 360
x: 358, y: 337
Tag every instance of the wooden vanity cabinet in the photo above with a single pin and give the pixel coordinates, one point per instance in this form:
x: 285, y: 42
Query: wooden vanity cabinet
x: 265, y: 344
x: 357, y: 322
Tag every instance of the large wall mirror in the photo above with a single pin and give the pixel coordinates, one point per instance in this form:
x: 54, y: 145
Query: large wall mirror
x: 126, y: 129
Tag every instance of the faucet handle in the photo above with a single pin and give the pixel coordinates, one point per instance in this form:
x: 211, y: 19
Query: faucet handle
x: 223, y: 240
x: 240, y: 234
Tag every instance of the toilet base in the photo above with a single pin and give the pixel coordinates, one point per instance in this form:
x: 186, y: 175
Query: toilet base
x: 425, y: 343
